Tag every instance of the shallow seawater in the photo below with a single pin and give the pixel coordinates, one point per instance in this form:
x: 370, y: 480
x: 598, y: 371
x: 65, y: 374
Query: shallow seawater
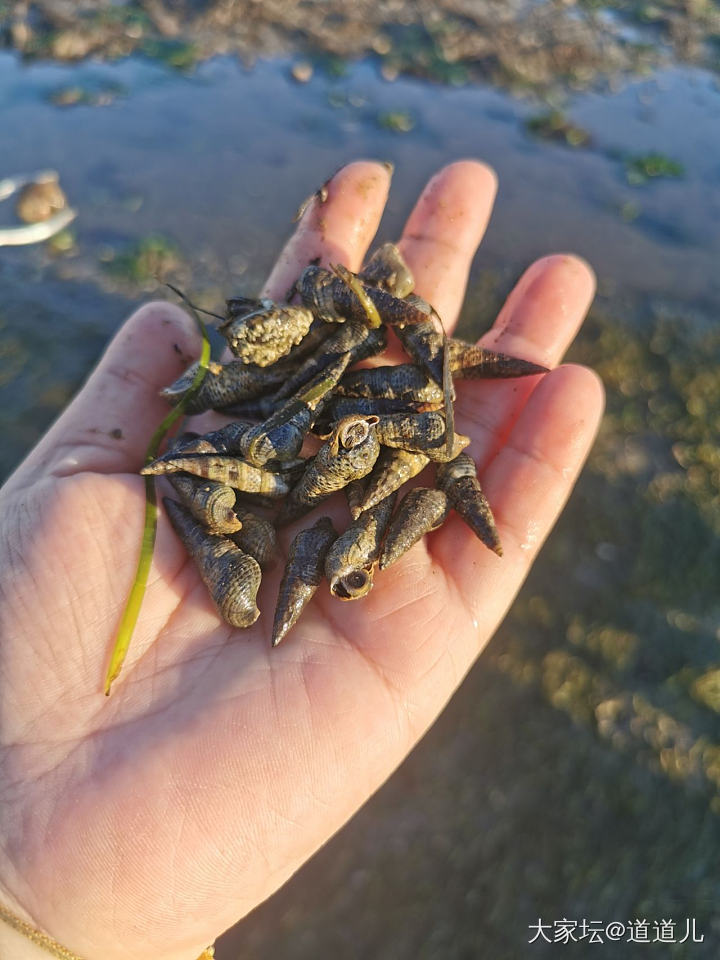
x: 578, y: 772
x: 215, y: 163
x: 218, y: 159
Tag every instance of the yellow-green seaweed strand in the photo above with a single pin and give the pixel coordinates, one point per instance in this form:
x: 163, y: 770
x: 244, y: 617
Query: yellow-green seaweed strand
x: 147, y: 545
x: 350, y: 280
x: 448, y: 396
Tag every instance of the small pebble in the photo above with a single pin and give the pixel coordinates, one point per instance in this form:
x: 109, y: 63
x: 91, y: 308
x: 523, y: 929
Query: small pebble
x: 302, y: 71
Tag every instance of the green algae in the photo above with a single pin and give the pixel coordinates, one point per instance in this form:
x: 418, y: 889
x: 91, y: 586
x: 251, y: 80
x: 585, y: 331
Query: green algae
x: 417, y: 50
x: 399, y: 121
x: 178, y: 54
x: 555, y: 125
x: 652, y: 166
x: 150, y: 258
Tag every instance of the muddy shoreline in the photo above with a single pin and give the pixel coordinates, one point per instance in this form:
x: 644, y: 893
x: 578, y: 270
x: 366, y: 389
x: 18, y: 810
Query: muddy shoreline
x: 518, y: 44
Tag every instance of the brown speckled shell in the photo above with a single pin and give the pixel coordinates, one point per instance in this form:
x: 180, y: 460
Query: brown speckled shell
x: 350, y: 561
x: 424, y: 343
x: 421, y: 433
x: 421, y: 511
x: 459, y: 481
x: 212, y: 504
x: 403, y: 381
x: 227, y: 441
x: 387, y: 269
x: 354, y: 493
x: 267, y: 334
x: 315, y: 287
x: 229, y: 470
x: 392, y: 469
x: 470, y: 361
x: 340, y: 407
x: 226, y: 384
x: 334, y: 466
x: 231, y: 576
x: 303, y: 574
x: 257, y: 537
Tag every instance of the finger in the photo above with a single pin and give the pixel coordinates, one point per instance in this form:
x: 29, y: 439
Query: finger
x: 444, y: 231
x: 526, y: 485
x: 544, y: 310
x: 538, y: 322
x: 338, y: 230
x: 108, y: 425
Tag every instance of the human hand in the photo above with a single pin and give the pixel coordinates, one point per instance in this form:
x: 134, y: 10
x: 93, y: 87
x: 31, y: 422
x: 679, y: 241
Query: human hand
x: 143, y: 825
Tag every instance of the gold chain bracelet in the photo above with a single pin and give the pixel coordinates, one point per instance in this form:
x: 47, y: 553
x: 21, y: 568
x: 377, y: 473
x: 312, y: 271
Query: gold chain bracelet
x: 52, y: 946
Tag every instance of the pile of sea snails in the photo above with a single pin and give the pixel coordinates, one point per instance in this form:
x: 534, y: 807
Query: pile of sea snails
x: 296, y: 374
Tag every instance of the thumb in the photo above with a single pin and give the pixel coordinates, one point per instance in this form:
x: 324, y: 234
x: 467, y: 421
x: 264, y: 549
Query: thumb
x: 108, y: 425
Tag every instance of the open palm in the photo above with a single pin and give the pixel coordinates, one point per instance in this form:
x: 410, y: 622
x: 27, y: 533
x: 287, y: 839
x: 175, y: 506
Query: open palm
x: 144, y: 824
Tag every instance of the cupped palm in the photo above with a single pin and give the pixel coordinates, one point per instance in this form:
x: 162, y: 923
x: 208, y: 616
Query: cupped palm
x: 143, y: 824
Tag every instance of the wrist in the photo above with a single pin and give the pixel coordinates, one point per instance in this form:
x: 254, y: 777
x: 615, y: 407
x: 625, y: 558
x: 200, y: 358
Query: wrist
x: 14, y: 944
x: 20, y: 940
